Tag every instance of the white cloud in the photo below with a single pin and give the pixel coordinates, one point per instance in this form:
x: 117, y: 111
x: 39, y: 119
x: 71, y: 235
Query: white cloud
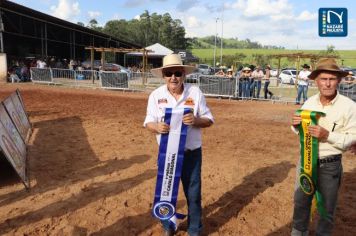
x: 66, y: 9
x: 282, y: 17
x: 193, y: 22
x: 94, y: 14
x: 252, y: 8
x: 307, y: 16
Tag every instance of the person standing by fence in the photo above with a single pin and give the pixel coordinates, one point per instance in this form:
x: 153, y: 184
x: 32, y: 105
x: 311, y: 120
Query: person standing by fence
x: 267, y: 81
x: 303, y: 81
x: 257, y: 76
x: 244, y: 80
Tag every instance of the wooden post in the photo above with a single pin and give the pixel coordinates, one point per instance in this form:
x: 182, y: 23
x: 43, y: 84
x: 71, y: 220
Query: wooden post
x: 144, y: 66
x: 102, y: 60
x: 279, y: 68
x: 297, y: 73
x: 92, y: 62
x: 147, y: 69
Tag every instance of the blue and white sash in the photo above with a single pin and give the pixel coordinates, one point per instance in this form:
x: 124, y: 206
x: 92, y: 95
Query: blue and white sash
x: 170, y: 162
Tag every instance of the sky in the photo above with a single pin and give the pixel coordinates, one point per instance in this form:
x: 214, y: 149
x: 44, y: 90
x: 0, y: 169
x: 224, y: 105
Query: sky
x: 292, y: 24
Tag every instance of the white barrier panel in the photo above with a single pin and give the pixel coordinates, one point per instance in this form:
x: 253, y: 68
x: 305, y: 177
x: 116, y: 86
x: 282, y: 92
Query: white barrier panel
x: 59, y: 75
x: 114, y: 80
x: 217, y: 86
x: 348, y: 90
x: 16, y: 111
x: 152, y: 81
x: 41, y: 75
x: 77, y: 78
x: 13, y: 146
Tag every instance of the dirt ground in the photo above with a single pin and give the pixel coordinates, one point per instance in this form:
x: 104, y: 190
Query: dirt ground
x: 92, y: 168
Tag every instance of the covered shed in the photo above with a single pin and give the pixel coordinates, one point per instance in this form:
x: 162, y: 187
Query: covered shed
x: 155, y: 54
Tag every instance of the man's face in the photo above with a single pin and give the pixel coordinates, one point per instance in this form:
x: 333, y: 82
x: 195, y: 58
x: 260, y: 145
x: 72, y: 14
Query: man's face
x: 174, y: 77
x: 327, y: 83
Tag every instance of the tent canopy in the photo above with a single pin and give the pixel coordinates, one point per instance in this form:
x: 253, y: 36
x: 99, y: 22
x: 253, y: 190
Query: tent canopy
x: 157, y: 50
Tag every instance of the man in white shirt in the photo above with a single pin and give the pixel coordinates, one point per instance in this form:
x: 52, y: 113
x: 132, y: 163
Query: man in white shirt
x: 257, y: 75
x: 177, y: 94
x: 303, y: 81
x: 336, y: 133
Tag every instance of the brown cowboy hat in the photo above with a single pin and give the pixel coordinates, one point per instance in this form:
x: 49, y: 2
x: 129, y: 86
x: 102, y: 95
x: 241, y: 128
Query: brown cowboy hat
x: 327, y: 65
x: 172, y: 60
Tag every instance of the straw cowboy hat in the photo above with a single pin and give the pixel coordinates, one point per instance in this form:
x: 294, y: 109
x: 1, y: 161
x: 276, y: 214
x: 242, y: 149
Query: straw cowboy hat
x: 246, y: 69
x: 172, y: 60
x: 327, y: 65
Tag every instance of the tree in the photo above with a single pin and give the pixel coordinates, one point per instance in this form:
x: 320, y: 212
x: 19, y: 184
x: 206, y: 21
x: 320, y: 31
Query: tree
x: 147, y: 30
x: 330, y: 51
x: 93, y: 24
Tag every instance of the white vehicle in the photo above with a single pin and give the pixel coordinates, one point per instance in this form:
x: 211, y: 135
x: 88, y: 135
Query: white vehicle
x: 273, y: 73
x: 287, y: 76
x: 204, y: 69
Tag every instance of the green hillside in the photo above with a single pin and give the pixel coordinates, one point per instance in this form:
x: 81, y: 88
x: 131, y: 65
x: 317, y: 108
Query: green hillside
x: 252, y: 56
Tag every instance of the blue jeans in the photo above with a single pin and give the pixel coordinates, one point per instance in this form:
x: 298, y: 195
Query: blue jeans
x: 266, y: 90
x: 252, y: 87
x: 329, y: 178
x: 245, y: 89
x: 302, y: 89
x: 259, y: 85
x: 240, y: 88
x: 191, y: 180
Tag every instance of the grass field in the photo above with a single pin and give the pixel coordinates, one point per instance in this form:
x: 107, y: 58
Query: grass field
x: 206, y: 55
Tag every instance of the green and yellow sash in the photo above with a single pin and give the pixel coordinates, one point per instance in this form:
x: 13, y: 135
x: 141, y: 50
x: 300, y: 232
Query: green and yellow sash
x: 309, y: 147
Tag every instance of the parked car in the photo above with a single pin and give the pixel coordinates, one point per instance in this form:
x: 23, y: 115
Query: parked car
x: 273, y: 72
x: 116, y: 68
x: 287, y: 76
x: 204, y: 69
x: 87, y: 65
x: 192, y: 78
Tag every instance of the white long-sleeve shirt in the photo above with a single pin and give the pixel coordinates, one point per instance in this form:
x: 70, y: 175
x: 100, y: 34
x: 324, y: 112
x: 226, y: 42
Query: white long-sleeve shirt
x: 340, y: 121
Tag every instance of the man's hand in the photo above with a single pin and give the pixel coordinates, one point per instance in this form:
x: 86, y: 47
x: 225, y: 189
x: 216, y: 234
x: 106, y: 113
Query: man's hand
x: 189, y: 119
x: 318, y: 132
x: 353, y: 148
x: 296, y: 120
x: 162, y: 128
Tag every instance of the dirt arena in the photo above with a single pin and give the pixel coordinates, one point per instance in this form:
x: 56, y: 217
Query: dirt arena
x: 92, y: 168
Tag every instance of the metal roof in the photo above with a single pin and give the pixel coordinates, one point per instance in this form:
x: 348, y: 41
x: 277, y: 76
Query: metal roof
x: 28, y: 12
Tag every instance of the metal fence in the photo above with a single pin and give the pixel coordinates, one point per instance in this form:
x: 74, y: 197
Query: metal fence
x: 41, y: 75
x: 218, y: 86
x: 210, y: 85
x: 348, y: 90
x: 114, y: 80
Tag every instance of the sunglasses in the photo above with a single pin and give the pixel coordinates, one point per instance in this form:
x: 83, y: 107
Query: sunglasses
x: 170, y: 73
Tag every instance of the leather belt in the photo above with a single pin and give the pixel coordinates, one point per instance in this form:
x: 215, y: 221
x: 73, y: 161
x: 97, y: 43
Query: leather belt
x: 329, y: 159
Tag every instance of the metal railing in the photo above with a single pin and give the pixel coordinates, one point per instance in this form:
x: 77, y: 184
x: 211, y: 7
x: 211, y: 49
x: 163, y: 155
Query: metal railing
x: 41, y: 75
x: 114, y: 80
x: 348, y: 90
x: 210, y: 85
